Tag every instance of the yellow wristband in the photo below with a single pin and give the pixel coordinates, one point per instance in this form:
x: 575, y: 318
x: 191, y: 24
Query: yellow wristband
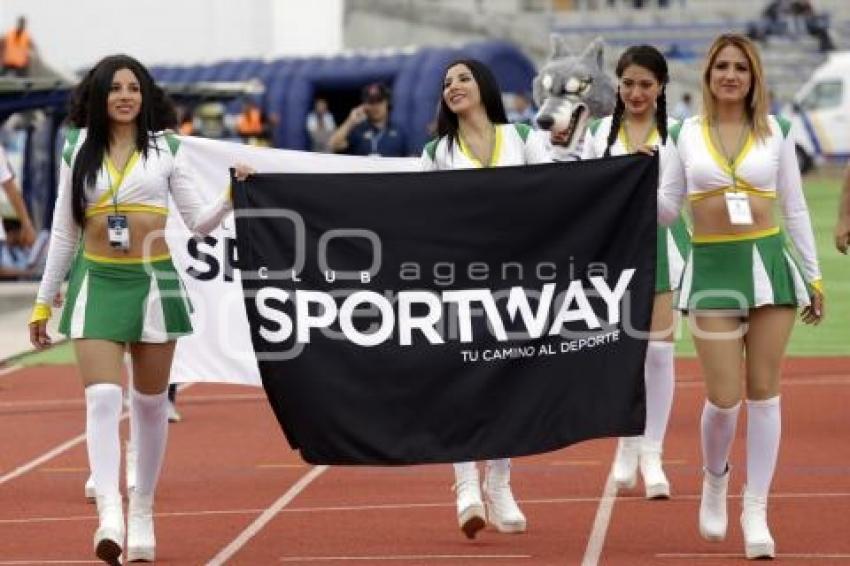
x: 817, y: 285
x: 40, y: 312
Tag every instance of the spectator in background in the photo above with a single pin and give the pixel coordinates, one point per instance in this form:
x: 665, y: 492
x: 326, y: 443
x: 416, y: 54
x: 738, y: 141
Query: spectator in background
x: 320, y: 125
x: 186, y: 126
x: 522, y: 112
x: 250, y: 125
x: 368, y: 130
x: 684, y: 108
x: 792, y: 18
x: 7, y: 179
x: 17, y: 48
x: 13, y: 256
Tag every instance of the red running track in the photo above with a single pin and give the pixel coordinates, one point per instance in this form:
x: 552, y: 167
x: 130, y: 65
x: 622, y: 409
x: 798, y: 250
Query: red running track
x: 232, y: 493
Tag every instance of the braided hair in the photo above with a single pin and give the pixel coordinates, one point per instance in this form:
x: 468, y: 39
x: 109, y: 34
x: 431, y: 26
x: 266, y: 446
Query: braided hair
x: 652, y: 60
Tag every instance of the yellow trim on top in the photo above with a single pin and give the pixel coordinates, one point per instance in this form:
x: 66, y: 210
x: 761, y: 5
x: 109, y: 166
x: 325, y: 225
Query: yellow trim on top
x: 109, y: 209
x: 742, y: 237
x: 722, y: 161
x: 125, y: 260
x: 651, y: 137
x: 117, y: 177
x: 494, y: 154
x: 743, y: 188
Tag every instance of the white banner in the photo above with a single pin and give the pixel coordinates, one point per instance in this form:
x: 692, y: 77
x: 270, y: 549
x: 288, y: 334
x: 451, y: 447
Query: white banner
x: 220, y: 349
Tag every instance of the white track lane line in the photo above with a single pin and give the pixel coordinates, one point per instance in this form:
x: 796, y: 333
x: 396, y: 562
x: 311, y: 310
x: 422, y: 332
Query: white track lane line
x: 419, y: 557
x: 265, y: 517
x: 8, y: 370
x: 600, y: 523
x: 402, y: 507
x: 61, y: 449
x: 779, y: 556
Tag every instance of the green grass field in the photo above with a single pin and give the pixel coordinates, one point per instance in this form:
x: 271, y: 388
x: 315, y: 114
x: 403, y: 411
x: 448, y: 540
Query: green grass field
x: 831, y: 337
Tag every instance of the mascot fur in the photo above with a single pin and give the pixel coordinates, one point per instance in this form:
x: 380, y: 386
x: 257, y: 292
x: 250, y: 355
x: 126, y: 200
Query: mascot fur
x: 570, y: 90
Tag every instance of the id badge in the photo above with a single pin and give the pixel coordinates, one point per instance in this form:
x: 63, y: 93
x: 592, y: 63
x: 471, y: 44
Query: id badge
x: 118, y: 230
x: 738, y: 205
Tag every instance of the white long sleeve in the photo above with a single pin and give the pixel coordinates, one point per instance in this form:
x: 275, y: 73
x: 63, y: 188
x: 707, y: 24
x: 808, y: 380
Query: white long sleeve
x: 200, y: 218
x: 64, y: 239
x: 789, y: 190
x: 672, y: 184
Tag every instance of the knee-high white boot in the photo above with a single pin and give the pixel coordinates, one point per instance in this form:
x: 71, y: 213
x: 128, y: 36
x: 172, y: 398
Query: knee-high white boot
x: 712, y: 507
x: 626, y: 461
x: 470, y: 507
x: 141, y: 543
x: 758, y: 542
x: 109, y: 536
x: 502, y: 509
x: 654, y: 479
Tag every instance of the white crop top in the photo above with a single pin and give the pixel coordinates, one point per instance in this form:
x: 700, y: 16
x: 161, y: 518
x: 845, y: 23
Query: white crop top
x: 515, y: 144
x: 596, y: 140
x: 767, y: 168
x: 143, y: 186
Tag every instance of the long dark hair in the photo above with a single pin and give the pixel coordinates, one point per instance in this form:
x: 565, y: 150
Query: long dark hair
x: 652, y: 60
x: 491, y: 98
x: 89, y: 110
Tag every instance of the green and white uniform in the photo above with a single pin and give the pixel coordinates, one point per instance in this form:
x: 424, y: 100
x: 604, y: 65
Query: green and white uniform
x: 673, y: 243
x: 126, y: 299
x: 753, y: 269
x: 514, y: 144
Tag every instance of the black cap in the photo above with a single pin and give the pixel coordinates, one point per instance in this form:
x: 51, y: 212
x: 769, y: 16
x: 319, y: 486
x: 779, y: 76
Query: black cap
x: 375, y: 92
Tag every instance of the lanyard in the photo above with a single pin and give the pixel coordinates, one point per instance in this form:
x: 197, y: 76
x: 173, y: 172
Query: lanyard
x: 730, y: 158
x: 375, y: 139
x: 114, y: 188
x: 627, y: 142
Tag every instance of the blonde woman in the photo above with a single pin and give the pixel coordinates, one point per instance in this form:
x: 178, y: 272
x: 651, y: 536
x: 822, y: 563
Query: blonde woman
x: 741, y: 287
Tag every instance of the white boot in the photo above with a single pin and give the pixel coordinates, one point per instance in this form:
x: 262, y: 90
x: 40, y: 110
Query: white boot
x: 502, y: 509
x: 130, y: 457
x: 470, y: 507
x: 91, y: 494
x: 712, y: 507
x: 757, y: 540
x: 626, y: 462
x: 141, y: 543
x: 109, y: 536
x: 654, y: 479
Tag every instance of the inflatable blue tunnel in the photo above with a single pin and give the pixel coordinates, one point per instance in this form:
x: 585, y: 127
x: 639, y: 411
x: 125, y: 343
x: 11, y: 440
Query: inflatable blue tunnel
x: 414, y: 76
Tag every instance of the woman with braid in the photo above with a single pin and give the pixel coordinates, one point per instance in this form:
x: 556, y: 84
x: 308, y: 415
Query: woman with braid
x: 639, y: 122
x: 741, y: 287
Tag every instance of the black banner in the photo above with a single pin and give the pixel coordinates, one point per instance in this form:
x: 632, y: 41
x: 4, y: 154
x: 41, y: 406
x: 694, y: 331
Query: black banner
x: 403, y: 318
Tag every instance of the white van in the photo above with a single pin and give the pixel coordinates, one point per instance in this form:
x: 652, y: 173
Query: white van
x: 820, y: 113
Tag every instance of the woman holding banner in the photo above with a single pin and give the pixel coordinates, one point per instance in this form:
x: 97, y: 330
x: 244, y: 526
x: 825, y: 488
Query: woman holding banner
x: 640, y: 121
x: 472, y: 132
x: 117, y: 172
x: 740, y: 285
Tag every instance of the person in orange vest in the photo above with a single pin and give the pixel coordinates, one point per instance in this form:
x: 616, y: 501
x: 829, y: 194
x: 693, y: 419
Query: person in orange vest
x: 250, y: 125
x: 187, y: 122
x: 17, y: 49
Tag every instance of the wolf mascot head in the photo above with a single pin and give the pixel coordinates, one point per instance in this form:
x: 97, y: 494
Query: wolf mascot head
x: 569, y: 90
